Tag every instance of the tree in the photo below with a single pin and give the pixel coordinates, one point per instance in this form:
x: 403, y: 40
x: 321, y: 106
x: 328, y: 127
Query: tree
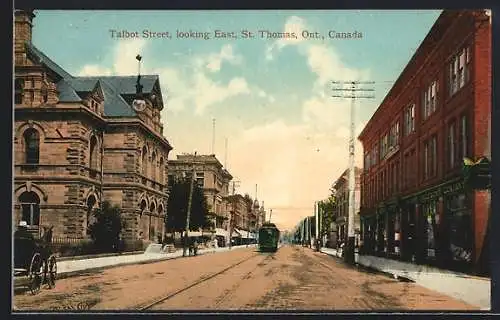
x: 177, y: 207
x: 327, y: 208
x: 107, y: 226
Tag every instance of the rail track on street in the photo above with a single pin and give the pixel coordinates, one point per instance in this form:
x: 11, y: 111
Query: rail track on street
x: 150, y: 304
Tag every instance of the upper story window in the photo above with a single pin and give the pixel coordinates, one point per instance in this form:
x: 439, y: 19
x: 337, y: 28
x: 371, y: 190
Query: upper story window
x: 374, y: 155
x: 463, y: 147
x: 429, y: 100
x: 459, y: 70
x: 162, y: 171
x: 384, y: 146
x: 93, y: 162
x: 394, y: 135
x: 367, y: 161
x: 430, y: 157
x: 144, y: 162
x: 153, y: 166
x: 32, y: 146
x: 45, y: 94
x: 19, y: 91
x: 409, y: 119
x: 452, y: 148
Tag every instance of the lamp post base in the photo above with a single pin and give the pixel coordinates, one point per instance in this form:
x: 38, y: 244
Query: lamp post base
x: 349, y: 251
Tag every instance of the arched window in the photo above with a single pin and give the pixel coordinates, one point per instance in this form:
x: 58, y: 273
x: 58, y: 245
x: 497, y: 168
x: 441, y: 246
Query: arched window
x: 162, y: 170
x: 91, y: 201
x: 143, y: 206
x: 93, y: 153
x: 32, y: 146
x: 19, y: 91
x: 144, y: 161
x: 161, y: 220
x: 153, y: 166
x: 30, y: 205
x: 152, y: 208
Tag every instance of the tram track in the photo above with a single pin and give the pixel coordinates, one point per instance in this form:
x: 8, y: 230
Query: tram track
x: 151, y: 303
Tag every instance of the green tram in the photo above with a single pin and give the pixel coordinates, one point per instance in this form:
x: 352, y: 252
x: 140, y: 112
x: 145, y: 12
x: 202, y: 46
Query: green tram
x: 269, y: 237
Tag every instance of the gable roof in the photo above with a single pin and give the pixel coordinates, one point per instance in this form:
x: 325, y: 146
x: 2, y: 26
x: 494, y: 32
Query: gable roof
x: 113, y: 87
x: 44, y: 60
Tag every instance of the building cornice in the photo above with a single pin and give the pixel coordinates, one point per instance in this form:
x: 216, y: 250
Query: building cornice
x: 58, y: 109
x: 127, y: 122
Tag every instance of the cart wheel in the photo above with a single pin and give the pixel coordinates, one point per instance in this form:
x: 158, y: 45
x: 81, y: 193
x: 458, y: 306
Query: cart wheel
x: 35, y: 273
x: 51, y: 272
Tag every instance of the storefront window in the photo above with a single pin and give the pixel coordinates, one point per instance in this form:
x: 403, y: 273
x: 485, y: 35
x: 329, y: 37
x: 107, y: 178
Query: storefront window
x: 460, y: 228
x: 429, y: 212
x: 397, y: 232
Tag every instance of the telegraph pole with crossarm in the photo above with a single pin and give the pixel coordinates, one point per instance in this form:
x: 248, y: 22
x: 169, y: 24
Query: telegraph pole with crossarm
x: 351, y: 90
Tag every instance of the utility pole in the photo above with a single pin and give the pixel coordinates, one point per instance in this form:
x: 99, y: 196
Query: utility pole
x: 225, y: 153
x: 232, y: 213
x: 352, y: 93
x: 316, y: 220
x: 190, y: 200
x: 213, y: 136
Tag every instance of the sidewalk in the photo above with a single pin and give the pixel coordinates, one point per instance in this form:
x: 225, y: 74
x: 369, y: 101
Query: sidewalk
x: 73, y: 267
x: 471, y: 289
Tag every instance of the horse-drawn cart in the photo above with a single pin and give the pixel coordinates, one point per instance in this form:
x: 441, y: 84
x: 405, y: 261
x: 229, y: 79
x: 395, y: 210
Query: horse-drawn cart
x: 34, y: 263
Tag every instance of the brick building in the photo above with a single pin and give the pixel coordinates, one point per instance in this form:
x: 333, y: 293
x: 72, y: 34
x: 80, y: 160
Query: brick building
x: 214, y: 179
x: 341, y: 211
x: 78, y: 141
x: 414, y: 205
x: 244, y: 217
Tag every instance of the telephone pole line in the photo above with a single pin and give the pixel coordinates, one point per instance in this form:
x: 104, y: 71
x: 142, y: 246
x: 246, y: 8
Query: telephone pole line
x: 232, y: 212
x: 190, y: 201
x: 351, y: 90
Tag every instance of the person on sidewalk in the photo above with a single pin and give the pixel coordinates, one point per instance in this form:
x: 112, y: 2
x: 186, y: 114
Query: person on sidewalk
x: 195, y: 247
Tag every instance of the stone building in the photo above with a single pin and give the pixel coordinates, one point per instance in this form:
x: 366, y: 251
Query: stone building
x: 214, y: 179
x: 78, y: 141
x: 415, y: 206
x: 341, y: 212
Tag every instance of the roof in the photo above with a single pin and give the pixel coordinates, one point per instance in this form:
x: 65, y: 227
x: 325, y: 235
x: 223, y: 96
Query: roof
x: 71, y: 88
x: 43, y: 59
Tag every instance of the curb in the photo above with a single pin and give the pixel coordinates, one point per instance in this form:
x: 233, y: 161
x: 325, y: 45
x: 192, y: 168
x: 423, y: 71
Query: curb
x: 373, y: 269
x: 97, y: 269
x: 100, y: 255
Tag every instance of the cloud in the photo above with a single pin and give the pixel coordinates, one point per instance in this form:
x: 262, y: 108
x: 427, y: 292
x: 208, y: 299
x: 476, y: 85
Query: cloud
x: 208, y: 92
x: 181, y: 88
x: 293, y: 24
x: 292, y: 164
x: 94, y: 70
x: 214, y: 61
x: 124, y: 62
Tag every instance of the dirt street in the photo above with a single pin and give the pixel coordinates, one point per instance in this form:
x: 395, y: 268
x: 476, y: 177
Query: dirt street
x: 292, y: 278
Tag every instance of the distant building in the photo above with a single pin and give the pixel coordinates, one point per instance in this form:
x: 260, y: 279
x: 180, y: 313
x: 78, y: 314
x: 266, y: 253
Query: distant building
x: 243, y: 217
x: 414, y: 203
x: 341, y: 213
x: 78, y: 141
x: 213, y: 179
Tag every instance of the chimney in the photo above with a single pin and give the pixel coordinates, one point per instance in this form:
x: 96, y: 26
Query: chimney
x: 22, y: 33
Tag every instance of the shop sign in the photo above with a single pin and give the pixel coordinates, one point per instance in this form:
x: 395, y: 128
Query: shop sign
x: 430, y: 195
x: 454, y: 187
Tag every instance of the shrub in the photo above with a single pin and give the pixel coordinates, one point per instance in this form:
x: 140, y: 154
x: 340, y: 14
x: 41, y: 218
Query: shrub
x: 106, y: 229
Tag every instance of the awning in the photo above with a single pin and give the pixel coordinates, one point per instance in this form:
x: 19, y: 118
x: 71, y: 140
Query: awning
x: 236, y: 233
x: 221, y: 232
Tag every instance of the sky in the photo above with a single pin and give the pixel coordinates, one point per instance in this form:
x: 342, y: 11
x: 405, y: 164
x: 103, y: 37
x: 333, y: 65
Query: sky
x: 270, y: 96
